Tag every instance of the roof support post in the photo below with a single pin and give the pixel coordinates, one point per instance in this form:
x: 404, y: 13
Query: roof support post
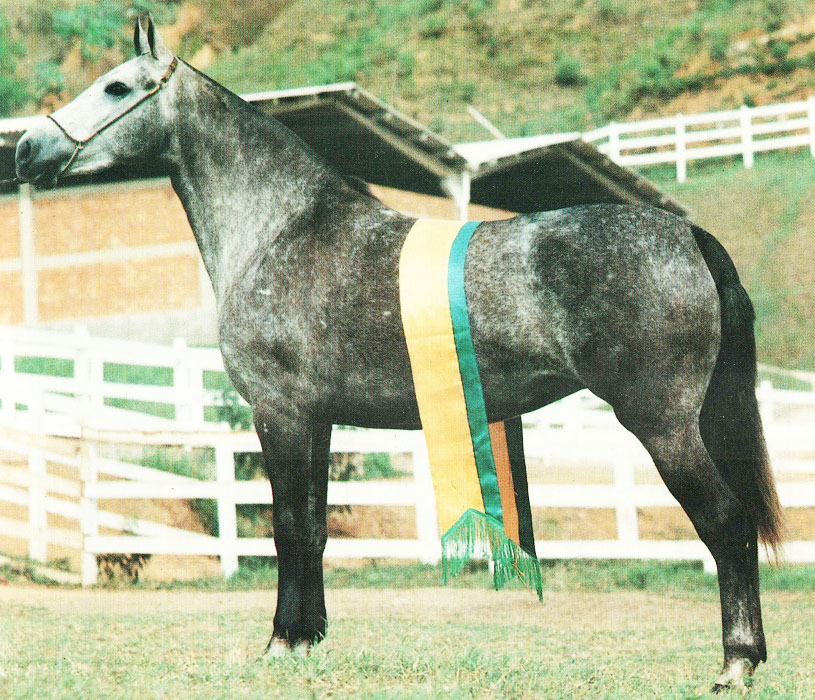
x: 28, y: 255
x: 458, y: 187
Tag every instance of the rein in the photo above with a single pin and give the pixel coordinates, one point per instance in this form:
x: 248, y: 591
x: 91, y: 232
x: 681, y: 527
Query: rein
x: 79, y: 144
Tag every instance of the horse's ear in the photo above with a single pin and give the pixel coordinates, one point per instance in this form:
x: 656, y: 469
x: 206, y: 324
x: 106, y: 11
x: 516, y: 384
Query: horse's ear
x: 148, y: 40
x: 140, y: 40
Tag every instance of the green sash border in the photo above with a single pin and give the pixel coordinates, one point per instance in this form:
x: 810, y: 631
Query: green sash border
x: 470, y: 377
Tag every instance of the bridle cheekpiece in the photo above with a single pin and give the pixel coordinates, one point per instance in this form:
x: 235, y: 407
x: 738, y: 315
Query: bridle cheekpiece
x: 79, y: 144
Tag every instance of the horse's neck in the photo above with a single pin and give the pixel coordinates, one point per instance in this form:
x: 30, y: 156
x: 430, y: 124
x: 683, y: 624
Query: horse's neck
x: 239, y: 174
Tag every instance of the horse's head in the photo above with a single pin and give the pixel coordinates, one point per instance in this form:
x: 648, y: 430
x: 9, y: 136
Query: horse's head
x: 118, y: 118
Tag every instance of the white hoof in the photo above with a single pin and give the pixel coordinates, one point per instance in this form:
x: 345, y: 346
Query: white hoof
x: 303, y: 649
x: 279, y: 648
x: 733, y: 677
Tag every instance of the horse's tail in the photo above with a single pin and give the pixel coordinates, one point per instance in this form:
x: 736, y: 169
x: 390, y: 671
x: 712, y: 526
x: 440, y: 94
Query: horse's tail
x: 730, y: 422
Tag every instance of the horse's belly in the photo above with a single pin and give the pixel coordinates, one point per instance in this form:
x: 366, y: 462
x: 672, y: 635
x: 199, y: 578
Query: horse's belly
x: 393, y: 404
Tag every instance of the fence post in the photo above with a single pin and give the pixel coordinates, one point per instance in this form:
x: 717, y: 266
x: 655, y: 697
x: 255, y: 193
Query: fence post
x: 746, y: 135
x: 89, y: 374
x: 614, y: 142
x: 28, y: 256
x: 7, y: 396
x: 427, y: 526
x: 197, y: 391
x: 37, y: 518
x: 88, y: 513
x: 811, y: 119
x: 766, y: 403
x: 681, y: 150
x: 188, y: 406
x: 227, y: 516
x: 626, y: 508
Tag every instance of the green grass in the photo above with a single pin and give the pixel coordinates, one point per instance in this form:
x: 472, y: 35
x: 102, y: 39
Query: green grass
x: 686, y: 579
x: 625, y: 630
x: 527, y: 65
x: 396, y: 644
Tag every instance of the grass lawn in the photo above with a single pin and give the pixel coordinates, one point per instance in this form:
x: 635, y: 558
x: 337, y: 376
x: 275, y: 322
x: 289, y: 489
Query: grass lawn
x: 622, y: 630
x: 387, y: 643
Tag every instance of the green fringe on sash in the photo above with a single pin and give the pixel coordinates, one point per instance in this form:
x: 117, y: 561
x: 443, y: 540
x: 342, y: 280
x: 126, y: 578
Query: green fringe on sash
x: 477, y: 534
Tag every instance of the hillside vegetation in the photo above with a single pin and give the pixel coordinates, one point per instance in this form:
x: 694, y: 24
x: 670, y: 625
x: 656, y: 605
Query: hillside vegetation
x: 764, y: 218
x: 529, y: 66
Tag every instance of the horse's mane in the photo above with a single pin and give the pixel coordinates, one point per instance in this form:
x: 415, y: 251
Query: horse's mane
x: 355, y: 183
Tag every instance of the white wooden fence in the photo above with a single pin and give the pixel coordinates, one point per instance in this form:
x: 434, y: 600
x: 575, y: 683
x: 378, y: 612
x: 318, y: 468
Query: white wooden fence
x: 59, y: 399
x: 683, y: 138
x: 576, y: 429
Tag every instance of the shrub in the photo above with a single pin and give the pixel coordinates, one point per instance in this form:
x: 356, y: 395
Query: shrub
x: 779, y: 49
x: 229, y: 409
x: 610, y: 11
x: 94, y: 26
x: 569, y: 71
x: 13, y: 91
x: 433, y: 27
x: 121, y: 566
x: 696, y: 30
x: 48, y: 79
x: 720, y: 43
x: 774, y: 11
x: 425, y: 7
x: 477, y: 7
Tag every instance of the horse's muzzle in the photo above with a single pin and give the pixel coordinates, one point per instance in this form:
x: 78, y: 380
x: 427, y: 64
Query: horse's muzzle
x: 42, y: 153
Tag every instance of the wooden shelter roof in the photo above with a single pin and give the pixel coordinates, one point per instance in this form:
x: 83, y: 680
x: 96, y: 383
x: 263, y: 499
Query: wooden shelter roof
x: 361, y: 135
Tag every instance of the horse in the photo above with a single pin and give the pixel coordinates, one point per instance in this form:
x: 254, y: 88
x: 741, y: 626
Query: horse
x: 642, y: 307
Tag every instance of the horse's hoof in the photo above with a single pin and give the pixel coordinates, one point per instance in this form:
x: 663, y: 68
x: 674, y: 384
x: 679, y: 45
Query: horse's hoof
x: 734, y: 677
x: 301, y: 649
x: 276, y: 649
x: 280, y: 648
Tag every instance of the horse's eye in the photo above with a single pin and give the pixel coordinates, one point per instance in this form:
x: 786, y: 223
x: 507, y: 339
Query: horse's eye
x: 117, y: 89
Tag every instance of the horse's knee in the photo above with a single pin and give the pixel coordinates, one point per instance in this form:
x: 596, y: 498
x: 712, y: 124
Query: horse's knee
x: 304, y: 538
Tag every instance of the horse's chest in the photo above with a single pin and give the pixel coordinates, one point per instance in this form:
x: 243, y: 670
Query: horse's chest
x: 260, y: 347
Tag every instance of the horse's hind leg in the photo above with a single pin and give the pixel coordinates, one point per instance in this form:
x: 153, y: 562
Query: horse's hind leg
x: 296, y: 458
x: 724, y: 525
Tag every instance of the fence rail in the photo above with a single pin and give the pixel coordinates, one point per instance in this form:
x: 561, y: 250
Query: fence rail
x: 687, y: 137
x: 578, y: 429
x: 91, y: 386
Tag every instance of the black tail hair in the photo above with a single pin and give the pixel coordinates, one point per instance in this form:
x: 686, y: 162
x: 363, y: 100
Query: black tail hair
x: 730, y: 422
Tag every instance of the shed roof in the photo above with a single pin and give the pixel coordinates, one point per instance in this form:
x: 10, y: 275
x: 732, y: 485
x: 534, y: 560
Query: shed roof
x: 361, y: 135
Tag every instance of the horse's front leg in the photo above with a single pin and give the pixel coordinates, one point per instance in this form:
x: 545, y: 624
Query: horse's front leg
x: 296, y: 459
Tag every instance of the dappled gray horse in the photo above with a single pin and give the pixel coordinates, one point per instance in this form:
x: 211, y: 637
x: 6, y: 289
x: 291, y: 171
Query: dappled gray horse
x: 635, y: 304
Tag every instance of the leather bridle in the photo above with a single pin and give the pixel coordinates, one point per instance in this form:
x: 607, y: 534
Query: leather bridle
x: 79, y: 144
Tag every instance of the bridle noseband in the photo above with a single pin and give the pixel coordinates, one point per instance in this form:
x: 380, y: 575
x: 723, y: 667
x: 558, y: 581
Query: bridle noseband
x: 79, y: 144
